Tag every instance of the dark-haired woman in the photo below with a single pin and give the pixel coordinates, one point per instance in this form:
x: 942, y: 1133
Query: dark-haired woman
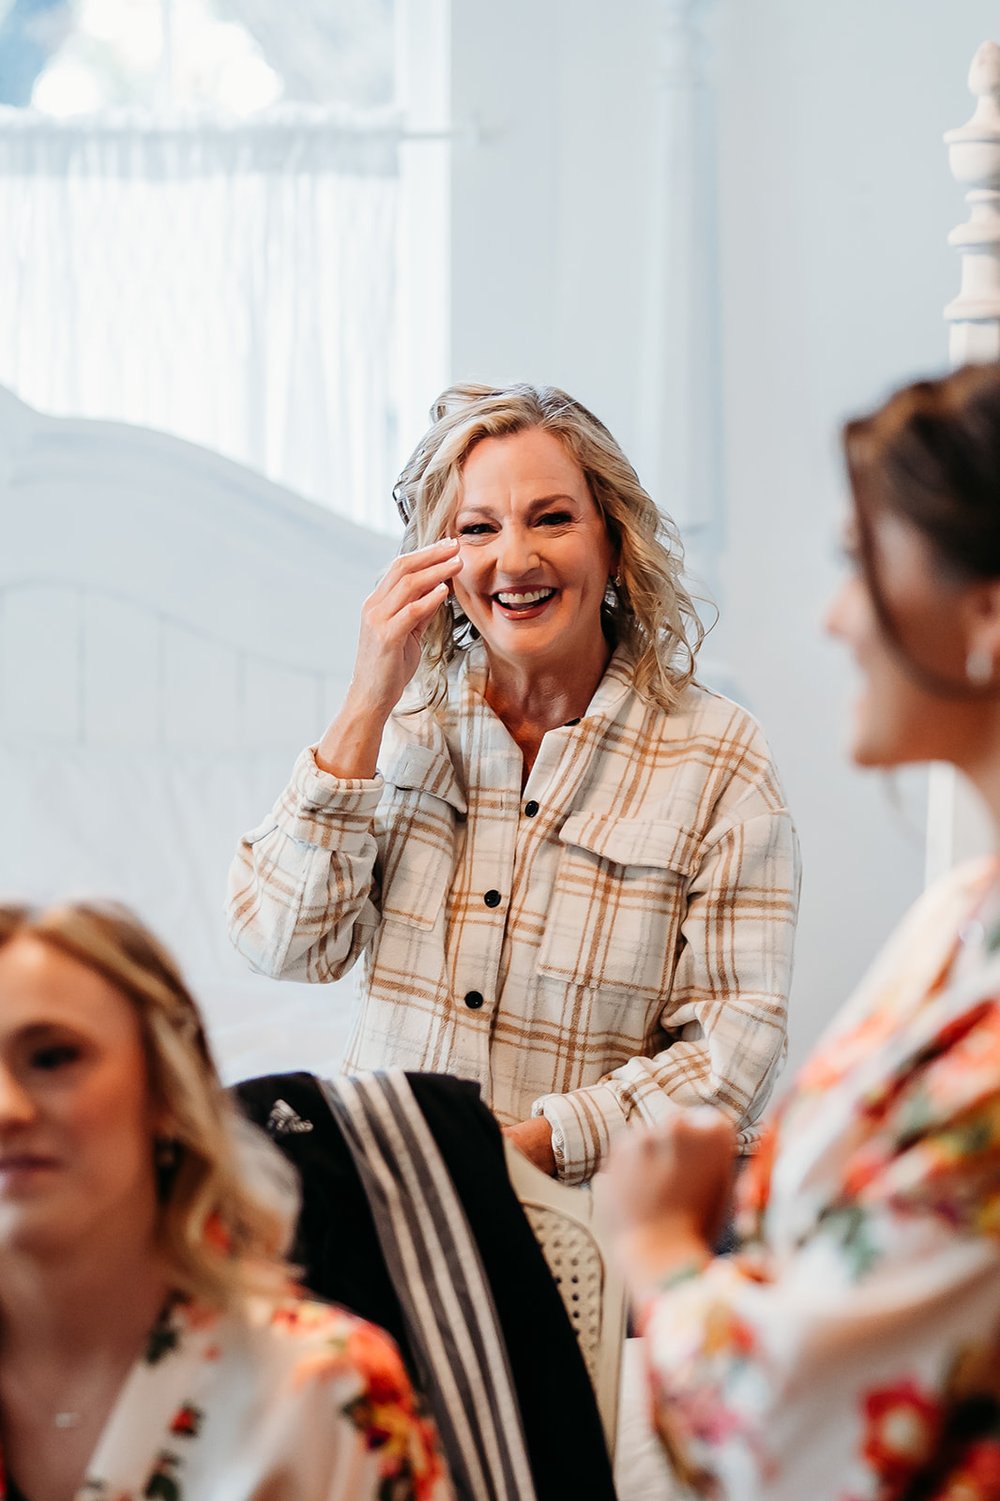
x: 851, y: 1350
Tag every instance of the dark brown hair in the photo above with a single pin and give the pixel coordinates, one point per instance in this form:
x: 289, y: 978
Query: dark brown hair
x: 931, y: 457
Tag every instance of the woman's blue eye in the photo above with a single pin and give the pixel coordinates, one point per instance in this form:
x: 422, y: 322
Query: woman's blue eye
x: 58, y: 1055
x: 474, y: 529
x: 556, y: 518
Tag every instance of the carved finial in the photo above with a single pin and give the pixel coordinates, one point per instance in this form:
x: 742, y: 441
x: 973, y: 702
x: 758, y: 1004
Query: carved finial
x: 984, y: 83
x: 984, y: 76
x: 974, y: 156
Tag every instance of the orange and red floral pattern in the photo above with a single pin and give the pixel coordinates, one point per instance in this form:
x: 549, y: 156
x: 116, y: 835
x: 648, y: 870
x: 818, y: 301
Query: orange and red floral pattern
x: 313, y: 1403
x: 850, y: 1349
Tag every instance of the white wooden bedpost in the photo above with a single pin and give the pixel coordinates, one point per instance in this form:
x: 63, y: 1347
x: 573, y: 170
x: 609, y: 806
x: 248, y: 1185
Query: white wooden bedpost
x: 974, y: 156
x: 957, y: 826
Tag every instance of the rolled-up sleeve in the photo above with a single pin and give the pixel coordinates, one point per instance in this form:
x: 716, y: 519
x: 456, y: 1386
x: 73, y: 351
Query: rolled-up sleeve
x: 303, y: 899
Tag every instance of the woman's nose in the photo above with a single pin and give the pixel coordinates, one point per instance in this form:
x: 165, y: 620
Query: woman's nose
x: 518, y: 551
x: 836, y: 616
x: 16, y: 1105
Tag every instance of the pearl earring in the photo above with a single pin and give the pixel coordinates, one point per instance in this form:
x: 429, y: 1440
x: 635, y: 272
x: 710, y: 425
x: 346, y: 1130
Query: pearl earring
x: 979, y: 666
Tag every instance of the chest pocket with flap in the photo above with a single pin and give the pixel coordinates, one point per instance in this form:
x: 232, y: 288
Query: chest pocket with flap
x: 618, y: 903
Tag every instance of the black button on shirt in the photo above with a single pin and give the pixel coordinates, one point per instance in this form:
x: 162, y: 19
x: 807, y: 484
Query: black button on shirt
x: 473, y: 1000
x: 492, y: 898
x: 530, y: 809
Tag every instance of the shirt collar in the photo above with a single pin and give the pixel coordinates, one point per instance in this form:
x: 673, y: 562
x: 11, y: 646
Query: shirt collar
x: 618, y: 680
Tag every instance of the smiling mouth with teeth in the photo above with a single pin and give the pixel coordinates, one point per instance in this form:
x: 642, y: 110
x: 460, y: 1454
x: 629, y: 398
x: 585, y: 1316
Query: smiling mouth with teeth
x: 525, y: 599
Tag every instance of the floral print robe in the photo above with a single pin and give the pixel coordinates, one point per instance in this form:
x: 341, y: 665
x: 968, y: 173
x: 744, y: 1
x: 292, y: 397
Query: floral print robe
x: 850, y: 1350
x: 296, y: 1402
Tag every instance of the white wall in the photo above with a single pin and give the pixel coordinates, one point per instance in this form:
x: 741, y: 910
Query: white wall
x: 835, y: 201
x: 549, y: 214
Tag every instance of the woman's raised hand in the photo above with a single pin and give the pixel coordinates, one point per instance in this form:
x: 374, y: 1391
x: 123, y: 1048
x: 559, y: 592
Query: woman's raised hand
x: 668, y: 1188
x: 393, y: 619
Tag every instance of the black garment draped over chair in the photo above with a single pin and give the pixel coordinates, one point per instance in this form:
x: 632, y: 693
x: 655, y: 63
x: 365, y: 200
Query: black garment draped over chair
x: 339, y: 1247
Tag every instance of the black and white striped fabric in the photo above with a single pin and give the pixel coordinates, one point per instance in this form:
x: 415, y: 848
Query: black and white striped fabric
x: 439, y: 1278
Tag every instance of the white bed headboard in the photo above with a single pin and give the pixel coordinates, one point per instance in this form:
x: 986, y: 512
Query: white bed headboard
x: 173, y: 628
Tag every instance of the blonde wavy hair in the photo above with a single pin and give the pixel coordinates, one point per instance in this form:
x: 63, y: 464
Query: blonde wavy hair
x: 649, y: 611
x: 222, y: 1236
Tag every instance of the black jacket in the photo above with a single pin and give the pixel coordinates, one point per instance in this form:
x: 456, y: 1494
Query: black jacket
x: 337, y: 1247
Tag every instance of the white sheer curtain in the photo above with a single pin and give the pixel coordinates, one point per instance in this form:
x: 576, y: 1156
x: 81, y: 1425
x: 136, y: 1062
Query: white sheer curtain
x: 233, y: 284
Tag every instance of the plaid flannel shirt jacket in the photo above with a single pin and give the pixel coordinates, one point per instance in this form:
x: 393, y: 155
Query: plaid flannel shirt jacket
x: 613, y: 937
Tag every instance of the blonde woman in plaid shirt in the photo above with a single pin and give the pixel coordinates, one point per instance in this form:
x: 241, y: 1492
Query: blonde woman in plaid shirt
x: 568, y: 869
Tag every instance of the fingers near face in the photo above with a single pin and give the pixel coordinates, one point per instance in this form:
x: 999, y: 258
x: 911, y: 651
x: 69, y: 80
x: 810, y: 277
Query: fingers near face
x: 414, y: 576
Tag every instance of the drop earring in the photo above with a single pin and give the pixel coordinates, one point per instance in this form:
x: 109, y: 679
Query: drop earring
x: 979, y: 666
x: 166, y: 1151
x: 166, y: 1160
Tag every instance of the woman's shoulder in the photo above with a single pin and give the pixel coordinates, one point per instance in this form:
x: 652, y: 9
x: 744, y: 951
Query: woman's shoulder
x: 328, y: 1378
x: 340, y: 1359
x: 723, y: 747
x: 919, y: 954
x: 949, y: 899
x: 700, y: 711
x: 328, y: 1338
x: 719, y: 712
x: 965, y: 882
x: 288, y: 1345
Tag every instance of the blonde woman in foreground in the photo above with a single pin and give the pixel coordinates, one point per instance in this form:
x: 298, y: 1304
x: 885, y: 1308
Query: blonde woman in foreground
x: 150, y: 1343
x: 850, y: 1350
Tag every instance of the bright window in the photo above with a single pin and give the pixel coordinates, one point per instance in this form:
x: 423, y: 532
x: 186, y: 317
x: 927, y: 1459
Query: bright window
x: 233, y: 55
x: 213, y: 216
